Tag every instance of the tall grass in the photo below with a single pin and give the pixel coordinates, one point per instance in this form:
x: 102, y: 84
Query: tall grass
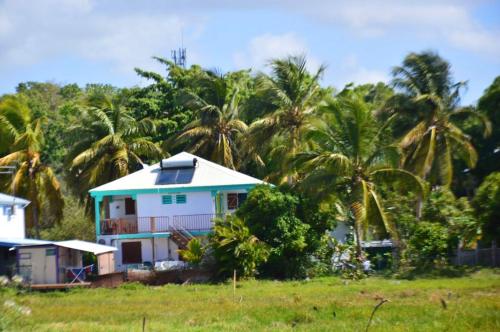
x: 471, y: 304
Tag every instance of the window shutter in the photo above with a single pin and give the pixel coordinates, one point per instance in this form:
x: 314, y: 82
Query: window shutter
x: 166, y: 199
x: 180, y: 199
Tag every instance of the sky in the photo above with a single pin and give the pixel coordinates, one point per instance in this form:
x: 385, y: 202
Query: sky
x: 90, y: 41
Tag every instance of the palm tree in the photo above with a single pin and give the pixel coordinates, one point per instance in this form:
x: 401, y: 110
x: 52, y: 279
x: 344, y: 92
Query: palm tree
x: 435, y: 139
x: 345, y: 158
x: 216, y: 132
x: 14, y: 115
x: 108, y: 144
x: 296, y: 96
x: 32, y: 178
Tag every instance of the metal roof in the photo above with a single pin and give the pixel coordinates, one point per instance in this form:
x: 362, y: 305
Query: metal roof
x: 12, y: 242
x: 206, y: 174
x: 10, y: 200
x: 94, y: 248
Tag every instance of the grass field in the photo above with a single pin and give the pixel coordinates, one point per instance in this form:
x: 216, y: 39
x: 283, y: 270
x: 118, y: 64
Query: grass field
x: 457, y: 304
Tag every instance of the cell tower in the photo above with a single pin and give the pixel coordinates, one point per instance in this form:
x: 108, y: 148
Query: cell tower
x: 179, y: 57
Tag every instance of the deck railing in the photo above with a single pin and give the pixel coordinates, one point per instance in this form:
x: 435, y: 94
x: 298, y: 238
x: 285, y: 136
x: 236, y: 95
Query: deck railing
x: 153, y: 224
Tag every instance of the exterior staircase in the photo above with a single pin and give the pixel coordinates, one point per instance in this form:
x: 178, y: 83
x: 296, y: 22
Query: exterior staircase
x: 180, y: 236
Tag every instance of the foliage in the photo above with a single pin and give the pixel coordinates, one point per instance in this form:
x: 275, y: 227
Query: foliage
x: 296, y: 95
x: 433, y: 139
x: 487, y: 207
x: 292, y: 226
x: 235, y: 248
x: 108, y: 143
x: 217, y: 130
x: 75, y: 224
x: 194, y: 252
x: 345, y: 154
x: 428, y: 245
x: 33, y: 179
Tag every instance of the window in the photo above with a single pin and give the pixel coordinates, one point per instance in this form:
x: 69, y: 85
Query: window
x: 180, y: 199
x: 234, y: 200
x: 9, y: 210
x: 166, y: 199
x: 50, y: 252
x: 129, y: 206
x: 131, y: 253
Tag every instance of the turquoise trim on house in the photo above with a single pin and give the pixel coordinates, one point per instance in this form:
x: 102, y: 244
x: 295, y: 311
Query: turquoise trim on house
x: 199, y: 233
x: 144, y: 236
x: 170, y: 190
x: 97, y: 212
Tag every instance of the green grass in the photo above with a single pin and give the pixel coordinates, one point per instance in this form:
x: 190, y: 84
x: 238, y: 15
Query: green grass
x: 325, y: 304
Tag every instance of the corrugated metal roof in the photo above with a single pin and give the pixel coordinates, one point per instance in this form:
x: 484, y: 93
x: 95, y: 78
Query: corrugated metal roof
x: 10, y: 242
x: 94, y: 248
x: 206, y: 174
x: 7, y: 199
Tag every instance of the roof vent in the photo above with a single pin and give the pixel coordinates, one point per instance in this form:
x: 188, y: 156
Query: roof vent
x: 176, y: 164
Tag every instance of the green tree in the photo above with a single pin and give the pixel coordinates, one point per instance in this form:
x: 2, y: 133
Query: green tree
x: 346, y: 159
x: 292, y: 226
x: 216, y: 132
x: 487, y: 206
x: 33, y: 179
x: 108, y: 144
x: 296, y: 95
x: 432, y: 142
x: 235, y: 248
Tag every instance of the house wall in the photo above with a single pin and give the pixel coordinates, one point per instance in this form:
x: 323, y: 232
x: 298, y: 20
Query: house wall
x: 106, y: 263
x: 196, y: 203
x: 165, y: 249
x: 12, y: 226
x: 340, y: 232
x: 117, y: 208
x: 38, y: 265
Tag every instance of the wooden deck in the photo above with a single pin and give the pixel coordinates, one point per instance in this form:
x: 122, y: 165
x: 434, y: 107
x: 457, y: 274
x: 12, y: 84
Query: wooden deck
x: 59, y: 286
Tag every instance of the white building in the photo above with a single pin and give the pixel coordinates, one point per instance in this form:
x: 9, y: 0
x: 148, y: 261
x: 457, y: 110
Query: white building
x: 12, y: 216
x: 149, y: 214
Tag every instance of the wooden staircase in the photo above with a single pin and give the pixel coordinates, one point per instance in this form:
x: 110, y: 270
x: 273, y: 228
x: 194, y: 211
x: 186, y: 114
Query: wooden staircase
x: 180, y: 236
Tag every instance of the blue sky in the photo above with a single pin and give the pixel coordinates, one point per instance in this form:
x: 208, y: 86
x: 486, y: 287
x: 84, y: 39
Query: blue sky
x: 90, y: 41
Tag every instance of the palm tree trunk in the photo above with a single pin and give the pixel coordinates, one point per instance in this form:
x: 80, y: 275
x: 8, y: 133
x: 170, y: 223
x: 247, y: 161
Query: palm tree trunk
x: 358, y: 240
x: 293, y: 151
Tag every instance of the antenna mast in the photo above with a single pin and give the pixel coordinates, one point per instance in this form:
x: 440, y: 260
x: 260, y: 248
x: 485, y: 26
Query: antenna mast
x: 179, y: 55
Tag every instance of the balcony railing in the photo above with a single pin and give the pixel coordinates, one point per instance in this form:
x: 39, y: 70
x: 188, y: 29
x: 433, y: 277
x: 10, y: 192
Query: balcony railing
x: 195, y: 222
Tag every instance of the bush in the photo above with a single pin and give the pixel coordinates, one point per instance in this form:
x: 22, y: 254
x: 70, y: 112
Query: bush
x: 292, y: 226
x: 428, y: 246
x: 194, y: 252
x: 487, y: 207
x: 235, y: 248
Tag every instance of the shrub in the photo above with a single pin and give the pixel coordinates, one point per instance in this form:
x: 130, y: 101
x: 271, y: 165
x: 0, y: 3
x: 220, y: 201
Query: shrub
x: 428, y: 245
x: 194, y: 252
x: 487, y: 206
x: 235, y: 248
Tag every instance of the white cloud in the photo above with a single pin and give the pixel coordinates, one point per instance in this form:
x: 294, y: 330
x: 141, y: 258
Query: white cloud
x: 33, y: 31
x: 263, y: 48
x: 447, y: 21
x: 350, y: 70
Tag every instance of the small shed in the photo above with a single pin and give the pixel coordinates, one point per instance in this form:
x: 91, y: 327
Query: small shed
x: 50, y: 263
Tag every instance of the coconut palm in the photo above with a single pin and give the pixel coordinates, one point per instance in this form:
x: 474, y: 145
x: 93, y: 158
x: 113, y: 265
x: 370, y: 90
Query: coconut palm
x: 296, y: 96
x: 14, y: 115
x: 216, y: 132
x: 108, y: 144
x: 431, y: 144
x: 32, y: 179
x: 345, y: 158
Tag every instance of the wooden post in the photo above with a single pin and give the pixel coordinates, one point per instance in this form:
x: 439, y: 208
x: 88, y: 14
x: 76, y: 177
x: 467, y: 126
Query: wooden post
x: 234, y: 285
x: 152, y: 224
x: 494, y: 253
x: 476, y: 254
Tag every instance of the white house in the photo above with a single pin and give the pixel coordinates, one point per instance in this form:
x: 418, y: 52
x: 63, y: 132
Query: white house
x: 12, y: 216
x: 11, y: 230
x: 149, y: 214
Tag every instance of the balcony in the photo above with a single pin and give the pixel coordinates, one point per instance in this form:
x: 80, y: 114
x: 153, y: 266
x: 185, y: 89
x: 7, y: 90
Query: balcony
x: 195, y: 222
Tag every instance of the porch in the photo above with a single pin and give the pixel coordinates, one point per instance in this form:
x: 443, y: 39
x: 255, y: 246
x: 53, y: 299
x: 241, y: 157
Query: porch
x: 158, y: 224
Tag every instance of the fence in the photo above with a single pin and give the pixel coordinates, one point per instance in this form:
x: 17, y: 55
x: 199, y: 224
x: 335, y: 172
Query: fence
x: 479, y: 256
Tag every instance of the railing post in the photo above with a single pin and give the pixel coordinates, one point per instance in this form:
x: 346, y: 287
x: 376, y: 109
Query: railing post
x: 152, y: 224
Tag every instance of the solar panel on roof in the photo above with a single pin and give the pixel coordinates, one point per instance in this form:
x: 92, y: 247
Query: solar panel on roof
x: 175, y: 176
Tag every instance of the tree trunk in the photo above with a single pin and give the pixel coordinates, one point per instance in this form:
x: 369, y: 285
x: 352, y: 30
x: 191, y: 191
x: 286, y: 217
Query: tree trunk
x: 359, y: 250
x: 289, y: 177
